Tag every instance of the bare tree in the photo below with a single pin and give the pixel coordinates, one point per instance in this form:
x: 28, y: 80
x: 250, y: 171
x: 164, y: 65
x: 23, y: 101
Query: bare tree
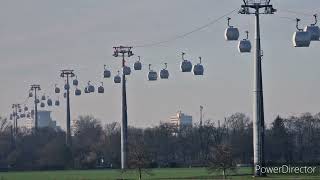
x: 139, y: 158
x: 221, y: 160
x: 4, y: 124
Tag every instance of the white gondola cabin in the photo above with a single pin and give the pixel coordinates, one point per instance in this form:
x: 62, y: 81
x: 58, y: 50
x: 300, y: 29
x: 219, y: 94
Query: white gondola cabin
x: 42, y: 104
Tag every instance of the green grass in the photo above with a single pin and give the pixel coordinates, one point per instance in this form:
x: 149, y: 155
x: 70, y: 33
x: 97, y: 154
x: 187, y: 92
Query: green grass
x: 164, y: 173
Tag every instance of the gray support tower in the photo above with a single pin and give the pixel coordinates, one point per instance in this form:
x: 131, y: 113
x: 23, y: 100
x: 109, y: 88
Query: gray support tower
x: 124, y: 51
x: 258, y: 110
x: 68, y: 74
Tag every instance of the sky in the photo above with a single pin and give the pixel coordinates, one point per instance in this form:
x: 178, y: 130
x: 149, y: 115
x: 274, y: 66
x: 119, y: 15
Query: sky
x: 38, y: 38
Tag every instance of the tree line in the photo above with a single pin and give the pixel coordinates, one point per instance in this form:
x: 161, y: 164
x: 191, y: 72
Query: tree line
x: 290, y: 140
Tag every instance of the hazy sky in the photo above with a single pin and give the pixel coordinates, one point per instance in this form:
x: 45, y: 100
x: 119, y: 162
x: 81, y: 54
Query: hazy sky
x: 40, y: 37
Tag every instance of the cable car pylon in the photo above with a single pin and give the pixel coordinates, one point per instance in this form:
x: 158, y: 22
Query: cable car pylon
x: 124, y: 51
x: 35, y: 88
x: 68, y: 74
x: 258, y: 110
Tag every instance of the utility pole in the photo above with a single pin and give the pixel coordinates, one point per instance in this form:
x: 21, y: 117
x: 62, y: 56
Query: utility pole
x: 258, y: 110
x: 125, y: 51
x: 68, y: 74
x: 15, y: 118
x: 35, y: 88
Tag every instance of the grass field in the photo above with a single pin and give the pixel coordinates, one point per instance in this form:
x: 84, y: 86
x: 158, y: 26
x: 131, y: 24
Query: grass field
x: 165, y: 173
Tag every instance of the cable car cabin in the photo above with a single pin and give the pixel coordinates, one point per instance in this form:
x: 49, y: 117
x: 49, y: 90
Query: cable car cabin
x: 91, y: 88
x: 313, y: 30
x: 30, y: 94
x: 75, y: 82
x: 43, y: 97
x: 106, y: 72
x: 126, y: 70
x: 42, y: 104
x: 244, y: 46
x: 101, y: 88
x: 186, y: 66
x: 86, y: 90
x: 49, y: 102
x: 77, y: 92
x: 137, y: 65
x: 152, y: 75
x: 198, y: 68
x: 164, y: 73
x: 231, y: 33
x: 300, y: 37
x: 57, y: 90
x: 56, y: 103
x: 117, y: 79
x: 66, y: 86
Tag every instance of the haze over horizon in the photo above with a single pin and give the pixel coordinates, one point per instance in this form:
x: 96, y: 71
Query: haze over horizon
x: 41, y: 37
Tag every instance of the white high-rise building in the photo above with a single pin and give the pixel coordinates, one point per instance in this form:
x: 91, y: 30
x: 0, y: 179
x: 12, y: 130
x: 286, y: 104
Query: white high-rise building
x: 181, y: 119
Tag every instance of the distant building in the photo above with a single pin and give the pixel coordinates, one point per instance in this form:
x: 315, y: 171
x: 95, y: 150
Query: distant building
x: 45, y: 120
x: 180, y: 119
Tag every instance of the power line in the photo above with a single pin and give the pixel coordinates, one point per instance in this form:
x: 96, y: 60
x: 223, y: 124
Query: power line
x: 188, y: 33
x: 296, y: 12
